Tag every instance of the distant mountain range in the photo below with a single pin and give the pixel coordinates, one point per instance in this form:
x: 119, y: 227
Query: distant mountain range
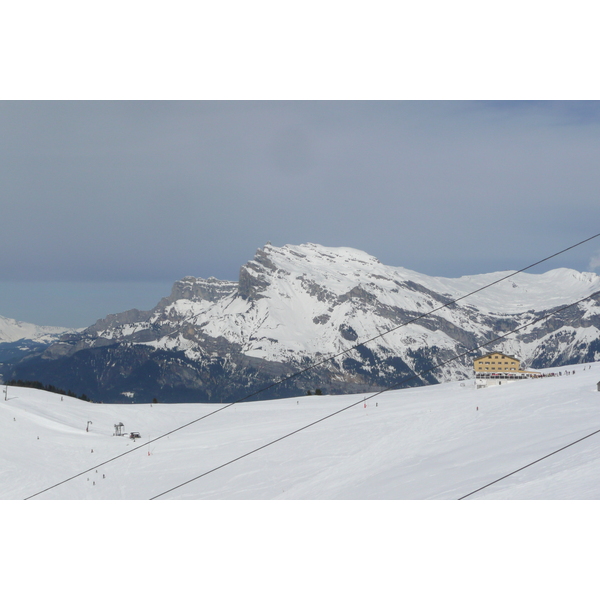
x: 19, y: 339
x: 218, y: 341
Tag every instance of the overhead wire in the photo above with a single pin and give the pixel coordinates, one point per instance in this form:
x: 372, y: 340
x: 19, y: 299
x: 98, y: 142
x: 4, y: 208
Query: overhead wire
x: 585, y: 437
x: 318, y: 364
x: 370, y: 397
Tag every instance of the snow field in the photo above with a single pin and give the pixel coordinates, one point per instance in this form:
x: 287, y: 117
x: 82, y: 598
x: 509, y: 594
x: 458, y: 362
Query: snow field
x: 434, y: 442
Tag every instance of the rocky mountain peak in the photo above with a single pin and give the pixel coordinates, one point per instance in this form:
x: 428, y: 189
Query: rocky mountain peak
x: 295, y: 304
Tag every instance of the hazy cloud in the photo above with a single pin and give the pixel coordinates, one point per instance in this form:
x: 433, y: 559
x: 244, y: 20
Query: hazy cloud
x: 595, y: 262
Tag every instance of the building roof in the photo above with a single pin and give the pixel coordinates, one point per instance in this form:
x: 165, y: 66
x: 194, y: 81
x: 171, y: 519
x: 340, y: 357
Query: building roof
x: 501, y: 353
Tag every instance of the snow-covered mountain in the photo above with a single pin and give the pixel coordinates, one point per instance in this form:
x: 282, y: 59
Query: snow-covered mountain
x: 14, y: 331
x: 18, y: 339
x: 293, y: 306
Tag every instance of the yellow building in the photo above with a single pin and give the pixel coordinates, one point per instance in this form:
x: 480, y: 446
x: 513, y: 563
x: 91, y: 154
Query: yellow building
x: 496, y: 362
x: 494, y: 367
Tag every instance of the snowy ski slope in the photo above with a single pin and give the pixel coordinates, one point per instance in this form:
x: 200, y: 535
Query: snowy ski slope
x: 435, y: 442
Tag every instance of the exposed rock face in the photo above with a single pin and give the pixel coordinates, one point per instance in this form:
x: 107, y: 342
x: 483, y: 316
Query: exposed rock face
x: 192, y: 288
x: 215, y: 341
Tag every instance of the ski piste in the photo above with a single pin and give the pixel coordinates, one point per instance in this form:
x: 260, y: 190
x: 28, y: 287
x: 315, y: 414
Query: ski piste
x: 433, y: 442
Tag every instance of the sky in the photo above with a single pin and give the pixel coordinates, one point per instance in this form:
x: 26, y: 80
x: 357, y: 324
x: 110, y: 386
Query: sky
x: 107, y: 203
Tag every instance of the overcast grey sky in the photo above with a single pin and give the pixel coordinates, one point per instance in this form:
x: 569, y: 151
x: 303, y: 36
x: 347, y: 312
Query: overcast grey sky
x: 106, y: 203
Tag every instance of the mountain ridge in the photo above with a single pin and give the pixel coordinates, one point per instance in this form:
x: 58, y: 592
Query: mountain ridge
x: 12, y: 330
x: 19, y: 339
x: 293, y: 306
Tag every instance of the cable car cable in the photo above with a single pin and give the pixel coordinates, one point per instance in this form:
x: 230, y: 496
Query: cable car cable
x: 529, y: 465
